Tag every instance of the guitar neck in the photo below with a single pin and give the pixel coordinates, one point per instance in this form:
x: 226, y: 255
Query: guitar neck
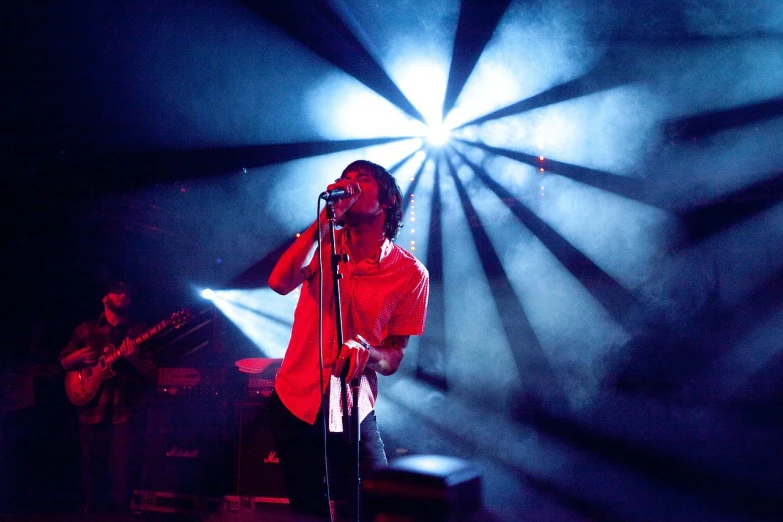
x: 152, y: 331
x: 115, y: 353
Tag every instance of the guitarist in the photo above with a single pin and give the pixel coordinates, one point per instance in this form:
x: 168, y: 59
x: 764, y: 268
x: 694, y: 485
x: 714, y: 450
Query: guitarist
x: 105, y: 423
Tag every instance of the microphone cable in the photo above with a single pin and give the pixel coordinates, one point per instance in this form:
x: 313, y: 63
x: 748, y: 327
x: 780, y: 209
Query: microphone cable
x: 324, y: 409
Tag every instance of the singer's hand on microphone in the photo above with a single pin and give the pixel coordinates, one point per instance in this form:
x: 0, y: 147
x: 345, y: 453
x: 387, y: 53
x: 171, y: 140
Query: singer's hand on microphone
x: 343, y: 204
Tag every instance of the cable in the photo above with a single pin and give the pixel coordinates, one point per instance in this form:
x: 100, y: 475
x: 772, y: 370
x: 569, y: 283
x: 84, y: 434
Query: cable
x: 324, y: 411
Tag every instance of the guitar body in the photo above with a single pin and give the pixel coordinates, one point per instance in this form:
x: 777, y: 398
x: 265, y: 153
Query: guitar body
x: 82, y: 385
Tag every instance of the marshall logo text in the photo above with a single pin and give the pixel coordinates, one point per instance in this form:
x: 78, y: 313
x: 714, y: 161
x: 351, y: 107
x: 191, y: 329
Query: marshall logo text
x: 182, y: 453
x: 272, y: 458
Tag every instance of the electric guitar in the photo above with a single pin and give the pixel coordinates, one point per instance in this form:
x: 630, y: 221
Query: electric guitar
x: 83, y: 384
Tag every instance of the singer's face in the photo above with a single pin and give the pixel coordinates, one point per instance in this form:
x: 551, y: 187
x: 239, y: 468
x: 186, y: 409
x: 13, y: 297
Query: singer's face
x: 368, y: 203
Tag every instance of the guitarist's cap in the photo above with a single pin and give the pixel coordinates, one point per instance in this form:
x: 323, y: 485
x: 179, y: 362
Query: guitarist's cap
x: 120, y: 287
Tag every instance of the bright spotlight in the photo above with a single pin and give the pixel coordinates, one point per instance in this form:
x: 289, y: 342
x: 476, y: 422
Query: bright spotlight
x: 438, y: 135
x: 208, y: 293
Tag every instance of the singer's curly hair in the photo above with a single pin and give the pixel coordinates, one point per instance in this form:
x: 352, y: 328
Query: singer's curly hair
x: 389, y: 193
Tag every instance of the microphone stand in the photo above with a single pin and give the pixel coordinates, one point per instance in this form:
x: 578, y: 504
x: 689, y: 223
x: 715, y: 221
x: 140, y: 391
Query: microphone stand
x: 351, y: 430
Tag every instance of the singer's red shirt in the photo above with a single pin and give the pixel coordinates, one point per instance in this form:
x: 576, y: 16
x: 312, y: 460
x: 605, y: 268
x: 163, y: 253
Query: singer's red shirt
x: 379, y: 298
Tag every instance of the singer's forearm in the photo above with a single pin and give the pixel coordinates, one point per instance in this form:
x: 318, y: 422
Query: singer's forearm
x: 387, y: 358
x: 291, y: 269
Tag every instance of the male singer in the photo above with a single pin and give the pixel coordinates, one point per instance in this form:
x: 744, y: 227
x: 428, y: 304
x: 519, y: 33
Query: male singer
x: 384, y: 292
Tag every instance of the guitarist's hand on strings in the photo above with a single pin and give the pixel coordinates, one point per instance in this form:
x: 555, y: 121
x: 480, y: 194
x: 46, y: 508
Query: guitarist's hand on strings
x: 82, y: 357
x: 127, y: 347
x: 352, y: 359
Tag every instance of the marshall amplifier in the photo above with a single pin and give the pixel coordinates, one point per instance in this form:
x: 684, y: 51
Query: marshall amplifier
x: 189, y: 446
x: 259, y: 389
x: 258, y: 472
x: 222, y: 382
x: 260, y: 379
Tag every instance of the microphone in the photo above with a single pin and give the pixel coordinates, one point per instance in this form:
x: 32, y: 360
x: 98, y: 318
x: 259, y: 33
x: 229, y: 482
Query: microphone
x: 334, y: 194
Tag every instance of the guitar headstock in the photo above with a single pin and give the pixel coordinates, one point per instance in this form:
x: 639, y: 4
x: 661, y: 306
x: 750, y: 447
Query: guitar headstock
x: 179, y: 318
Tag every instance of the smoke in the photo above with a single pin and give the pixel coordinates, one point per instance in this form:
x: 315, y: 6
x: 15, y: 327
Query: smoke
x: 724, y: 77
x: 613, y: 130
x: 729, y: 18
x: 749, y: 356
x: 704, y: 76
x: 515, y: 459
x: 214, y: 74
x: 747, y: 256
x: 219, y: 76
x: 623, y: 237
x: 262, y: 315
x: 342, y: 108
x: 535, y: 47
x: 574, y: 331
x: 207, y: 231
x: 292, y: 194
x: 480, y: 357
x: 465, y: 428
x: 423, y: 81
x: 406, y: 173
x: 414, y: 41
x: 701, y: 171
x: 397, y: 27
x: 201, y: 231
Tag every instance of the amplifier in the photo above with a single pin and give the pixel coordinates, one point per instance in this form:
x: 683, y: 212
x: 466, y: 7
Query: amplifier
x: 260, y: 380
x: 259, y: 388
x: 197, y: 382
x: 188, y: 446
x: 258, y: 471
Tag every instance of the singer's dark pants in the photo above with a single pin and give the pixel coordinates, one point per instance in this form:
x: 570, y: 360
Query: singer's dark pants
x: 300, y: 449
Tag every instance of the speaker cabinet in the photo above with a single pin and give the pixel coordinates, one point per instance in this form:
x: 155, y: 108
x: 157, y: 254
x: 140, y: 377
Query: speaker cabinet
x: 189, y: 446
x: 258, y: 471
